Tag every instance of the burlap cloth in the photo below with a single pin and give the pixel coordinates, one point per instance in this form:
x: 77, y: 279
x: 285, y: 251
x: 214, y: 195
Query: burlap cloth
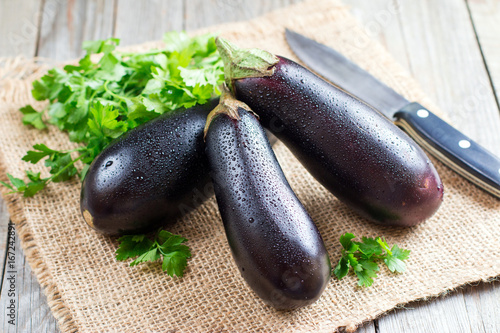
x: 89, y: 291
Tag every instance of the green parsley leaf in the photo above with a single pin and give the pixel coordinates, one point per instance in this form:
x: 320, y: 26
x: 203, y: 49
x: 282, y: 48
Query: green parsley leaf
x: 16, y: 182
x: 34, y: 185
x: 9, y: 186
x: 175, y: 262
x: 103, y: 122
x: 33, y: 188
x: 395, y: 261
x: 151, y: 255
x: 346, y: 240
x: 363, y: 258
x: 132, y: 246
x: 166, y: 246
x: 61, y: 165
x: 32, y: 117
x: 369, y: 247
x: 41, y: 151
x: 342, y: 268
x: 366, y: 273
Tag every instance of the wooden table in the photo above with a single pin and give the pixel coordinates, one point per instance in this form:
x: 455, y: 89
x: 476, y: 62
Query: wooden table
x: 451, y: 47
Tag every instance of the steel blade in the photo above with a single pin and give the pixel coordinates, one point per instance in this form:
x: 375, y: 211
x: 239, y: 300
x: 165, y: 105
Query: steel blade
x: 345, y: 74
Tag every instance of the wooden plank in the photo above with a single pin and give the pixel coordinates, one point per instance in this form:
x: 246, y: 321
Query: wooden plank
x: 4, y: 227
x: 9, y: 297
x: 24, y: 305
x: 36, y: 315
x: 486, y: 18
x: 446, y: 314
x: 483, y: 306
x: 142, y: 21
x: 451, y: 71
x: 66, y: 24
x: 380, y: 21
x: 4, y: 221
x: 446, y: 60
x: 202, y: 13
x: 19, y: 24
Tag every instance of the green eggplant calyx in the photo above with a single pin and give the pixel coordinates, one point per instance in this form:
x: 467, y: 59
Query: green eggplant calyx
x: 228, y: 105
x: 242, y: 63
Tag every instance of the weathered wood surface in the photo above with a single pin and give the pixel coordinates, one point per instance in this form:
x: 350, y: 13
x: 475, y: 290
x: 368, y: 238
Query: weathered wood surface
x: 486, y: 17
x: 66, y: 24
x: 19, y: 285
x: 451, y: 47
x: 19, y: 26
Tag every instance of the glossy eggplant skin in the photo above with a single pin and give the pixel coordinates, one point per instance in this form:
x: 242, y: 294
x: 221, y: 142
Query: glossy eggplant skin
x: 150, y: 175
x: 274, y: 242
x: 355, y: 152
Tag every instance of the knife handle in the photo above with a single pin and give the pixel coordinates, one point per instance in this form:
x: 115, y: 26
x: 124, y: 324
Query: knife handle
x: 451, y: 147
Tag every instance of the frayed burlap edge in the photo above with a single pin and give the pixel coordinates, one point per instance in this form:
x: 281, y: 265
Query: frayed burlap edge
x: 38, y: 266
x: 18, y: 68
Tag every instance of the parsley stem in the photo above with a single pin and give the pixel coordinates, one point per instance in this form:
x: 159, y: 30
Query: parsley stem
x: 384, y: 246
x: 112, y: 93
x: 148, y: 53
x: 65, y: 168
x: 91, y: 99
x: 158, y: 246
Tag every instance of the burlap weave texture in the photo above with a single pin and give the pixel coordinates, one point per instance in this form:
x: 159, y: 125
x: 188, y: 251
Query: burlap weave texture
x: 89, y: 291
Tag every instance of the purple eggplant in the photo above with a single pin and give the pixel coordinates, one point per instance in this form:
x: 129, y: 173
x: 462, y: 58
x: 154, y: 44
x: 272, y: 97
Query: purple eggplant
x: 356, y: 153
x: 274, y: 242
x: 150, y: 175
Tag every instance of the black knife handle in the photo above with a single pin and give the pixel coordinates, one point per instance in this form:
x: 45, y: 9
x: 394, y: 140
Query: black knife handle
x: 451, y: 147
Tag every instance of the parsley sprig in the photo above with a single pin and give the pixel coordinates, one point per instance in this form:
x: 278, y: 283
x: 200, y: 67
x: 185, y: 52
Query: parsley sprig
x: 97, y: 100
x: 165, y: 246
x: 61, y: 164
x: 363, y: 258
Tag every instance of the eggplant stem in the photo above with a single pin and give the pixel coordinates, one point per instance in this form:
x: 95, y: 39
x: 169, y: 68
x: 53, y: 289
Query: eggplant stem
x: 242, y: 63
x: 228, y: 105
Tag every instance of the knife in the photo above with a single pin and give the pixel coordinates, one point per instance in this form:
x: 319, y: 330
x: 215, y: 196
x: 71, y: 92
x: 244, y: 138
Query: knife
x: 454, y: 149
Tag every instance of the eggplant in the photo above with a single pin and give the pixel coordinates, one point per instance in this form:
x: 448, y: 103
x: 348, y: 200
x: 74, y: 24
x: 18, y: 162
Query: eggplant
x: 150, y: 175
x: 275, y: 244
x: 353, y: 151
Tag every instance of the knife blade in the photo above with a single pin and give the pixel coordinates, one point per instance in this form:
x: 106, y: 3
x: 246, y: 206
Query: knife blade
x: 447, y: 144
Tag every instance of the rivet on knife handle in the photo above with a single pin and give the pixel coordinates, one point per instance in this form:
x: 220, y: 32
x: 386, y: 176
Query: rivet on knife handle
x: 453, y: 148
